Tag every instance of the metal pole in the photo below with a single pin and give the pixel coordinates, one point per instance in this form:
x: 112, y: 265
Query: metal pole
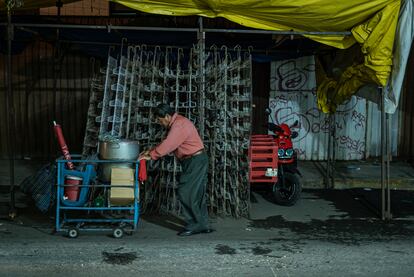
x: 388, y: 214
x: 333, y: 151
x: 104, y: 27
x: 54, y: 88
x: 10, y: 113
x: 56, y: 67
x: 136, y: 28
x: 383, y: 152
x: 328, y: 161
x: 269, y: 32
x: 201, y: 36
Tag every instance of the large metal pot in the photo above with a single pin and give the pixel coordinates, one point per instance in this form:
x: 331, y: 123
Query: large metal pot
x: 116, y: 150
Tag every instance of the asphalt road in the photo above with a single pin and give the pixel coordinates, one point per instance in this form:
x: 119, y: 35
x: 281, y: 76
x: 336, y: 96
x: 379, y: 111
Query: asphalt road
x: 325, y: 234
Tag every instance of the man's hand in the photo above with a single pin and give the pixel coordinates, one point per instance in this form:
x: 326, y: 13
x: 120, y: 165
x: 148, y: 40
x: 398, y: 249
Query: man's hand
x: 145, y: 152
x: 145, y: 155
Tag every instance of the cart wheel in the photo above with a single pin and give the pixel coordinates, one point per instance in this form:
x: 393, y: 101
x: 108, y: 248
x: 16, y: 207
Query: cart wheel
x: 118, y: 233
x: 73, y: 233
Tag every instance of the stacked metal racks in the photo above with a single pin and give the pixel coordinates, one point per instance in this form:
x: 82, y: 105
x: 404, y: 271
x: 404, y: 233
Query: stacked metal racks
x: 212, y: 89
x: 168, y: 77
x: 228, y: 126
x: 90, y: 142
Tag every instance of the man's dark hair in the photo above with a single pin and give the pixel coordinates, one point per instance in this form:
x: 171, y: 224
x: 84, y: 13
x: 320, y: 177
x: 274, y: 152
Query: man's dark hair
x: 162, y: 110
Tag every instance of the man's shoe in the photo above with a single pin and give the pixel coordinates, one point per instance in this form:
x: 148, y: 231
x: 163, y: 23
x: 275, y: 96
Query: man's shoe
x: 187, y: 233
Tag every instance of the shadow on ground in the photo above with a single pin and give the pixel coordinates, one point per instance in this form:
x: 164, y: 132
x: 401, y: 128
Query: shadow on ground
x: 167, y: 221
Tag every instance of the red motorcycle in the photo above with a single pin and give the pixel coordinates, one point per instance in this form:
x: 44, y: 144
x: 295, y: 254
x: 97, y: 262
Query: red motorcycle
x: 273, y: 160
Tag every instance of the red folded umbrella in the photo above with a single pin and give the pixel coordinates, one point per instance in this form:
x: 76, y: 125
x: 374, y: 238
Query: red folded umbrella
x: 62, y: 144
x: 142, y: 174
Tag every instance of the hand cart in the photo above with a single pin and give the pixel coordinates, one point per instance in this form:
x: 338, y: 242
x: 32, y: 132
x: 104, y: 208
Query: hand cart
x: 85, y: 214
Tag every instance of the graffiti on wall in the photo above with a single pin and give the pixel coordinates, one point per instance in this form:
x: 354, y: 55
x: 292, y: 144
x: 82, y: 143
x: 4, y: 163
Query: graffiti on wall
x: 293, y: 97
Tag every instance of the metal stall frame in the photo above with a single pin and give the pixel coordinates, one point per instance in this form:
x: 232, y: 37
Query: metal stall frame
x: 10, y: 112
x: 385, y: 159
x: 201, y: 36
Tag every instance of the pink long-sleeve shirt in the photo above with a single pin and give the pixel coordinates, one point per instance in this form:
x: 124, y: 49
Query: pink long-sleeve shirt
x: 182, y: 139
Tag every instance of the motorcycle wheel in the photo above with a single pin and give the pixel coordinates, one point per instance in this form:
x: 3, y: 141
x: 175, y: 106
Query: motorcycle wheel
x: 289, y: 193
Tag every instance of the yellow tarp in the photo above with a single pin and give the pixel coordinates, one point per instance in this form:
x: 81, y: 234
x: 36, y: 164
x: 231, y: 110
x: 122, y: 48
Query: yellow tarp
x: 372, y: 22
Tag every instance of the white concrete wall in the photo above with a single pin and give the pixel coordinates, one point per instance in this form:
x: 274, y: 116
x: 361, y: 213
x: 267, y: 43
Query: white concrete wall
x: 293, y: 97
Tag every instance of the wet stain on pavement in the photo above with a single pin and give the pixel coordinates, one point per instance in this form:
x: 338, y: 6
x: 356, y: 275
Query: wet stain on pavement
x: 341, y: 231
x: 258, y: 250
x: 264, y: 242
x: 397, y: 252
x: 276, y: 245
x: 119, y: 258
x: 291, y: 247
x: 287, y: 245
x: 365, y: 203
x: 225, y: 250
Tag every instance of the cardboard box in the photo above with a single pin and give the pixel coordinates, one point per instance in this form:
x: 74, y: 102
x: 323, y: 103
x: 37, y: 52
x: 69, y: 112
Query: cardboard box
x: 122, y: 196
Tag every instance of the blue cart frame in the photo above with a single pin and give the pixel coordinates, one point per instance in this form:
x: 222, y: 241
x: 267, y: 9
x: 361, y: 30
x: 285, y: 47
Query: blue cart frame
x: 87, y: 174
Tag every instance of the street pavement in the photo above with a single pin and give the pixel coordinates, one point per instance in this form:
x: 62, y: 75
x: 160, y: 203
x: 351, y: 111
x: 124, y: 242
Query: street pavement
x: 327, y: 233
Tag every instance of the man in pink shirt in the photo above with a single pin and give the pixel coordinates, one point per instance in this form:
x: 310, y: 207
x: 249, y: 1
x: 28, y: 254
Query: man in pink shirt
x: 185, y: 142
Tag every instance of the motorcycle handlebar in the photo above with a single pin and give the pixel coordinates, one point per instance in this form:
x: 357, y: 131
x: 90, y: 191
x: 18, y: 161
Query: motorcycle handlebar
x: 274, y: 128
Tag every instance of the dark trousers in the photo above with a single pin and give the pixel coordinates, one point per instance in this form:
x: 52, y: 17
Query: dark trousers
x: 192, y: 192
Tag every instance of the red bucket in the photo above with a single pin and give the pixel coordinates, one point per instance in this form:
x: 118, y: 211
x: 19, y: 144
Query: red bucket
x: 72, y: 191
